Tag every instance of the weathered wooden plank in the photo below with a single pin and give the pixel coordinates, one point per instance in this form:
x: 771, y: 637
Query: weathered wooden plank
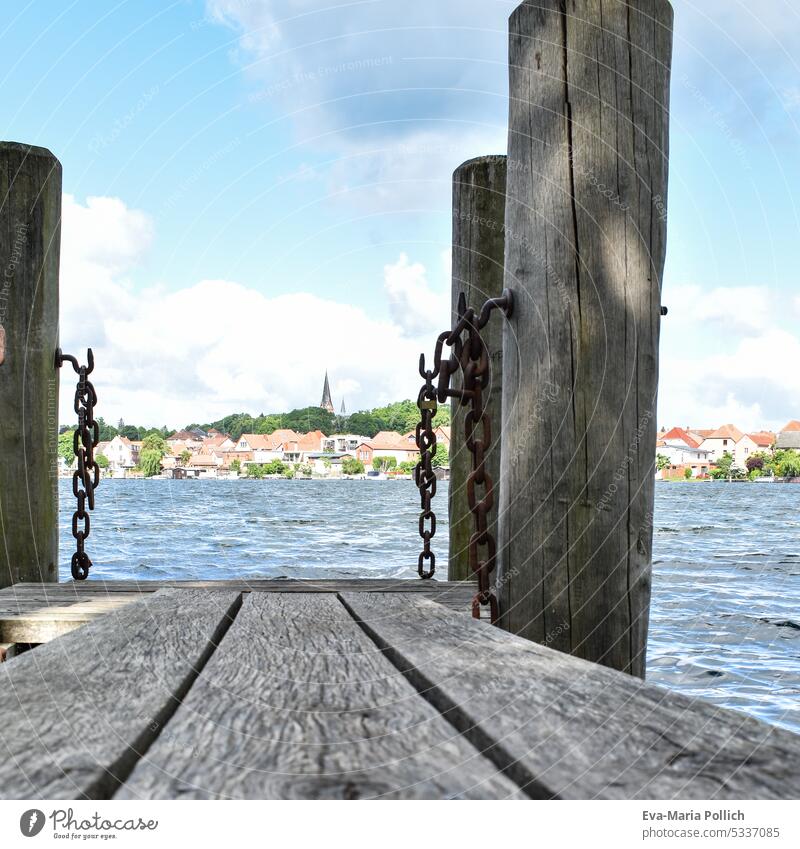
x: 27, y: 596
x: 243, y: 585
x: 30, y: 232
x: 40, y: 624
x: 585, y: 249
x: 479, y: 206
x: 577, y: 729
x: 78, y: 712
x: 298, y: 703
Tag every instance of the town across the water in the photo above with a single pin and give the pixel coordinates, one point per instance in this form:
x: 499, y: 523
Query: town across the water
x: 728, y: 453
x: 284, y: 453
x: 682, y: 453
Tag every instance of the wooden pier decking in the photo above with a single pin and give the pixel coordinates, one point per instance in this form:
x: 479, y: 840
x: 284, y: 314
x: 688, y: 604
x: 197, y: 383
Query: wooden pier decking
x: 351, y: 689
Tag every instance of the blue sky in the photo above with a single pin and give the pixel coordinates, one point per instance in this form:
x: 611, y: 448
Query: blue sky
x: 258, y: 190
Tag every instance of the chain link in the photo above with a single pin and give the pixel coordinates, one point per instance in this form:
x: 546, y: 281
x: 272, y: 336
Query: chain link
x: 469, y: 355
x: 86, y: 477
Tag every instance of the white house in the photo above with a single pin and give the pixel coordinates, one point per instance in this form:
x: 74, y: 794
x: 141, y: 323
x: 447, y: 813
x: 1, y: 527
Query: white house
x: 122, y: 453
x: 343, y: 443
x: 389, y: 443
x: 729, y: 439
x: 264, y: 447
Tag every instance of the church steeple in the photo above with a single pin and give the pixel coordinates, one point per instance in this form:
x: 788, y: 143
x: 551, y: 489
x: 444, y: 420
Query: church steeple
x: 327, y: 402
x: 343, y: 411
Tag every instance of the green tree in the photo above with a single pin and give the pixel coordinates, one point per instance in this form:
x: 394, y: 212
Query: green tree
x: 186, y: 455
x: 66, y: 446
x: 150, y: 462
x: 788, y: 464
x: 129, y: 432
x: 687, y: 473
x: 236, y: 466
x: 725, y: 469
x: 408, y: 467
x: 155, y: 442
x: 441, y: 457
x: 352, y: 466
x: 107, y: 432
x: 306, y: 470
x: 384, y: 464
x: 442, y: 417
x: 102, y: 460
x: 662, y: 462
x: 153, y: 449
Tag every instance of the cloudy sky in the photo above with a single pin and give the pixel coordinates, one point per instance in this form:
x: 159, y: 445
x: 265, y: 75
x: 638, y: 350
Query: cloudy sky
x: 258, y: 190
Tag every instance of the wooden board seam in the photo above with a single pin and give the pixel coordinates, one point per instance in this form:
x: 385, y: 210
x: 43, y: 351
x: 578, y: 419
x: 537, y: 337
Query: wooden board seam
x: 118, y: 772
x: 490, y: 748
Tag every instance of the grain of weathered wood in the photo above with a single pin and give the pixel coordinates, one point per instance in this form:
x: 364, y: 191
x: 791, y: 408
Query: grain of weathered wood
x: 44, y: 623
x: 479, y: 205
x: 580, y: 730
x: 30, y: 232
x: 585, y: 245
x: 453, y: 594
x: 76, y: 711
x: 298, y: 703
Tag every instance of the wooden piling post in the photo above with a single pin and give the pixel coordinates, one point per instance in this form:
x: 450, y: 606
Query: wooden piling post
x: 479, y: 204
x: 585, y: 246
x: 30, y: 230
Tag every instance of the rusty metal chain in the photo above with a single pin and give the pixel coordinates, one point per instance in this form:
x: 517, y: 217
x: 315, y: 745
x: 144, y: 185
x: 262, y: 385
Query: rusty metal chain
x: 86, y: 477
x: 469, y: 355
x: 424, y: 473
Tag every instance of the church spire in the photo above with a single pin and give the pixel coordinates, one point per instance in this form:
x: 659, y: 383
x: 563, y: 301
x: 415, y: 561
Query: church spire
x: 343, y: 411
x: 327, y: 402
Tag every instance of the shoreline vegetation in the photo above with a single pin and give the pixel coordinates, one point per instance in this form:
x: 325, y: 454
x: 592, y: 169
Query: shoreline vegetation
x: 308, y: 443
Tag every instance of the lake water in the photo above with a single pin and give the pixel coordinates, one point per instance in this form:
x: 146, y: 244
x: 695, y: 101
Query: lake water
x: 725, y: 624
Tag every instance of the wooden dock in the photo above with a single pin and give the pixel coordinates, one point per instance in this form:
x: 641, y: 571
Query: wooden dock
x: 351, y: 689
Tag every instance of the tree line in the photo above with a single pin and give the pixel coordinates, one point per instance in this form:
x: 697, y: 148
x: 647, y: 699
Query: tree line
x: 401, y: 416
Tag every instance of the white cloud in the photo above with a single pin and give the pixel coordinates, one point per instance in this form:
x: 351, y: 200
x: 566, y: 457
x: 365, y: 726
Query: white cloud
x: 412, y: 171
x: 414, y: 306
x: 373, y: 69
x: 739, y: 309
x: 726, y: 358
x: 219, y: 347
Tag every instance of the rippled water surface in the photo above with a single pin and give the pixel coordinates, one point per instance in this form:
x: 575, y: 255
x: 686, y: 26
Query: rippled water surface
x: 725, y: 624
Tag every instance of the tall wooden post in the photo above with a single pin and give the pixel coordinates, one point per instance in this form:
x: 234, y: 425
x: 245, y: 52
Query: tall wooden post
x: 479, y: 205
x: 30, y: 231
x: 585, y: 246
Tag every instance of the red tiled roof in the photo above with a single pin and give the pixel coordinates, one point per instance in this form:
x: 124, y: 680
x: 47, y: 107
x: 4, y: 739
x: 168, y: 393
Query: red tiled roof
x: 682, y: 435
x: 764, y: 438
x: 727, y: 431
x: 182, y: 435
x: 792, y: 427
